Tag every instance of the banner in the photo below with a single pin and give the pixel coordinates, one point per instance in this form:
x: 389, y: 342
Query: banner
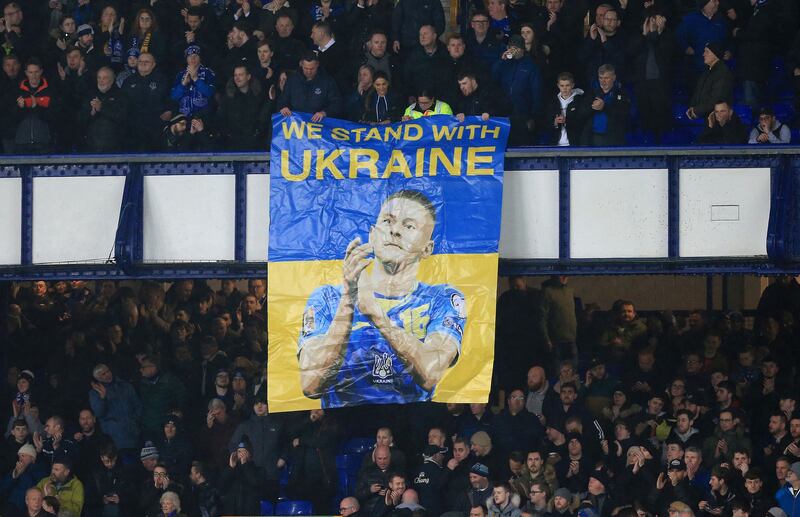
x: 383, y: 260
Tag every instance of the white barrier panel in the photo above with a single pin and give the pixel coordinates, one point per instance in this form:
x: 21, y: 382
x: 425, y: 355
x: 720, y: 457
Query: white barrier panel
x: 724, y: 212
x: 75, y: 218
x: 619, y: 213
x: 189, y: 218
x: 11, y: 216
x: 529, y: 197
x: 257, y: 217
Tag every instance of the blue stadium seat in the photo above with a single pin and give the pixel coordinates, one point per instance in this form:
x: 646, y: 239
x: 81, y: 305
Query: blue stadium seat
x: 267, y: 508
x: 784, y: 112
x: 294, y: 508
x: 679, y: 114
x: 358, y: 445
x: 347, y: 467
x: 745, y: 113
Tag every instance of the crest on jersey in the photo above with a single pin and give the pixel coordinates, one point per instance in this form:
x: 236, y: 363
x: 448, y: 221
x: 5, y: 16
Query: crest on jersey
x: 382, y: 369
x: 459, y: 304
x: 309, y: 322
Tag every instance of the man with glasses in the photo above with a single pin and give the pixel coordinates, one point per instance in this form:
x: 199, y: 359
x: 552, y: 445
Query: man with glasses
x: 483, y: 42
x: 516, y: 428
x: 604, y: 44
x: 14, y: 39
x: 538, y: 497
x: 727, y: 438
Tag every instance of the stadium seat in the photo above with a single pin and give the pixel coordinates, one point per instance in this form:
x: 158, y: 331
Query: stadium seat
x: 267, y: 508
x: 358, y: 445
x: 679, y: 114
x: 784, y: 112
x: 294, y: 508
x: 347, y: 467
x: 745, y: 113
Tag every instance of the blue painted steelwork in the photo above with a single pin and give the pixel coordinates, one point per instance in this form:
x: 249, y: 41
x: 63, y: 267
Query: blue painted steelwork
x: 783, y: 235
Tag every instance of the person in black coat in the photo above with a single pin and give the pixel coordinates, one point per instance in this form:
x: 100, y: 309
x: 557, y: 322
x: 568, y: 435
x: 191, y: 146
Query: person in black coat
x: 723, y: 127
x: 243, y: 112
x: 147, y: 93
x: 431, y: 479
x: 566, y: 112
x: 474, y: 98
x: 652, y: 51
x: 365, y: 16
x: 286, y: 49
x: 407, y: 19
x: 242, y: 51
x: 242, y: 482
x: 112, y: 484
x: 313, y: 477
x: 332, y: 53
x: 103, y: 114
x: 426, y: 63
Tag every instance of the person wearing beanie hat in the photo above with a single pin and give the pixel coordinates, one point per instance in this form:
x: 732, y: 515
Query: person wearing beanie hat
x: 484, y: 452
x: 562, y: 501
x: 149, y: 456
x: 788, y: 497
x: 242, y: 480
x: 598, y: 492
x: 264, y: 432
x: 28, y: 450
x: 696, y: 29
x: 21, y: 476
x: 480, y: 487
x: 194, y: 85
x: 174, y: 448
x: 715, y: 83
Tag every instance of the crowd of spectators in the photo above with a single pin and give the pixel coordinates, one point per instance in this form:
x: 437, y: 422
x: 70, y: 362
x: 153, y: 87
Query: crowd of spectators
x: 194, y: 75
x: 136, y: 401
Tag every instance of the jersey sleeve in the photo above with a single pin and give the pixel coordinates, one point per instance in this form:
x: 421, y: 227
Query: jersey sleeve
x: 318, y: 314
x: 449, y: 314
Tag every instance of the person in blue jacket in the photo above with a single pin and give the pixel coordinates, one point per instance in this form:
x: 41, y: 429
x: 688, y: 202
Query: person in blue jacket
x: 698, y: 29
x: 312, y: 91
x: 787, y: 497
x: 521, y: 81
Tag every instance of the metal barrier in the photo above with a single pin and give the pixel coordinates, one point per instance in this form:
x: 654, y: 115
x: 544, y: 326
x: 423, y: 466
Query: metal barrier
x: 562, y: 203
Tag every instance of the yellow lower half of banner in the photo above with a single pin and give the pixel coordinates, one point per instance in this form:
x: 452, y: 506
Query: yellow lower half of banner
x: 291, y: 284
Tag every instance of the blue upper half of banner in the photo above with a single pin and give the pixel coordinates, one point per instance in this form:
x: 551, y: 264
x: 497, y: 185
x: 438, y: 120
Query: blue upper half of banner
x: 329, y: 180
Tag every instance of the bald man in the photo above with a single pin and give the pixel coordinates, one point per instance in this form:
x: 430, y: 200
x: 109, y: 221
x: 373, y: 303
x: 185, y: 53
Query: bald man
x: 349, y: 506
x: 373, y: 480
x: 539, y: 392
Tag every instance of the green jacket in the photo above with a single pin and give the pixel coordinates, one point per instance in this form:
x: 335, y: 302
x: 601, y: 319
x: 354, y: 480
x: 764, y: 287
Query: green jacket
x: 557, y: 318
x: 69, y: 494
x: 735, y: 440
x: 158, y: 397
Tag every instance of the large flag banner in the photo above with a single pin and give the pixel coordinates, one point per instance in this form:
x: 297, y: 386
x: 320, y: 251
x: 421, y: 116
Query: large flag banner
x: 383, y: 260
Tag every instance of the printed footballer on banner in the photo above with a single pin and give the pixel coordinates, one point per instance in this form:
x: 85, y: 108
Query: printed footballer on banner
x: 382, y: 336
